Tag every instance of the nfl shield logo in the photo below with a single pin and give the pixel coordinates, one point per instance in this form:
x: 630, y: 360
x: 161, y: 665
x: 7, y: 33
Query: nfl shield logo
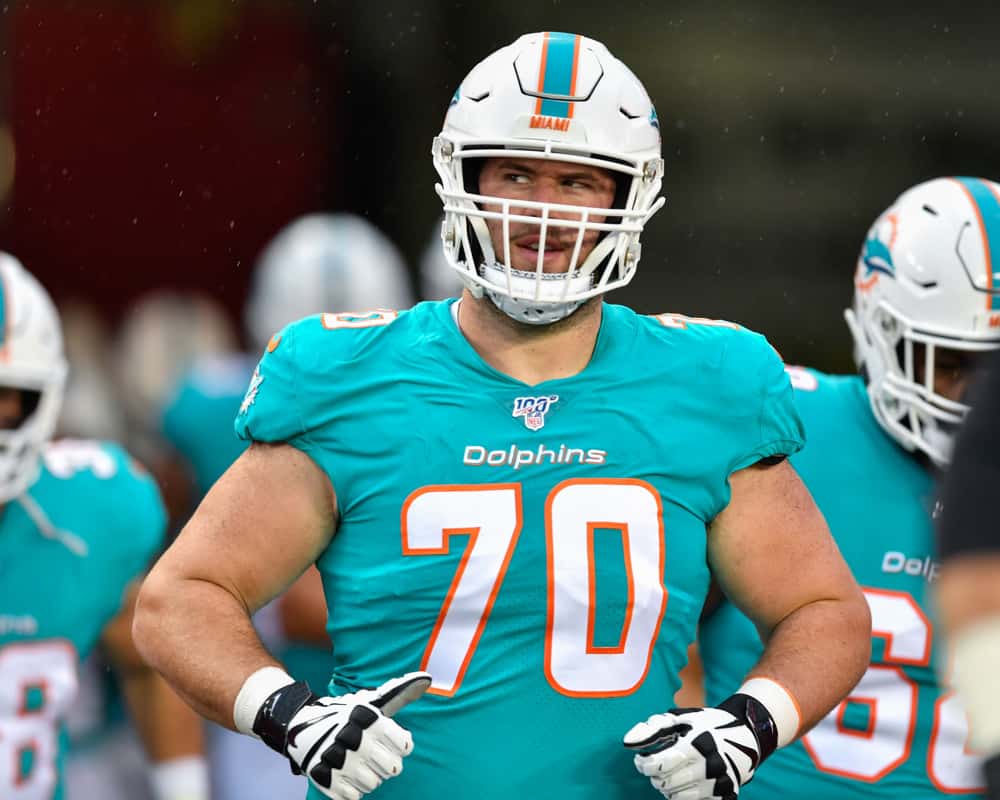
x: 533, y: 409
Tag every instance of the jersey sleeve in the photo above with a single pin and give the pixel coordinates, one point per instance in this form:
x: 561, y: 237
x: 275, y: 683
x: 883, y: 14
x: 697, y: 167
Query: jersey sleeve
x: 271, y: 410
x: 774, y: 427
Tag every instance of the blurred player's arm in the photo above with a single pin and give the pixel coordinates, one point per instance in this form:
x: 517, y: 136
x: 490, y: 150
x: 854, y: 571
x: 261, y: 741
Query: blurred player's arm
x: 261, y: 525
x: 774, y: 558
x: 302, y: 610
x: 691, y: 693
x: 171, y: 732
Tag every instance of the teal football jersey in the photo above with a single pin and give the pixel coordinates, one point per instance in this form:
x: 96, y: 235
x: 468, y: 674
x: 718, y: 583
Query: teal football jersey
x: 540, y: 550
x: 899, y: 733
x: 89, y: 525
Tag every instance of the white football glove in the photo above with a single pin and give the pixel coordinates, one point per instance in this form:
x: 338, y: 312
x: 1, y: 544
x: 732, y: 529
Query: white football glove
x: 704, y: 753
x: 346, y: 745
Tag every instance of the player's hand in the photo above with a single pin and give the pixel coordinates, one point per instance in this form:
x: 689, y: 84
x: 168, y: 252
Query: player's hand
x: 348, y: 744
x: 703, y: 753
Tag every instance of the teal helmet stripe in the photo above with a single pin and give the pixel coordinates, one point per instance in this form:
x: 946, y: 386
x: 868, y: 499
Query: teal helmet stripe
x: 988, y: 206
x: 559, y: 63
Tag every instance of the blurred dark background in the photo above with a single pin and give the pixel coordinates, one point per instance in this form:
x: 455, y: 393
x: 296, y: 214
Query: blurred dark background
x: 161, y: 143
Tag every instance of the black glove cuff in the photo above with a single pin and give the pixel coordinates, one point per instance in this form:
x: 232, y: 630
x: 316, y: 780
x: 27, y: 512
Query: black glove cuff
x: 273, y: 717
x: 757, y: 718
x: 991, y: 769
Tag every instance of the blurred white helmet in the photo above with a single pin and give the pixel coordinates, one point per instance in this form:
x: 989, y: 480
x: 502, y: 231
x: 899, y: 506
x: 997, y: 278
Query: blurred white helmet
x: 163, y: 334
x: 31, y: 359
x: 437, y: 278
x: 324, y: 262
x: 551, y: 96
x: 926, y: 280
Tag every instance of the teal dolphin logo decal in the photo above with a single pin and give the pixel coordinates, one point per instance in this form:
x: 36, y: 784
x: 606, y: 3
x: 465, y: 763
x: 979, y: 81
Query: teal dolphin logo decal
x: 455, y: 97
x: 653, y: 119
x: 878, y: 258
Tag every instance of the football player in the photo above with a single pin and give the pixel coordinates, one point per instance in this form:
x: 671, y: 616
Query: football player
x: 925, y: 310
x: 80, y: 521
x: 514, y: 497
x: 316, y: 262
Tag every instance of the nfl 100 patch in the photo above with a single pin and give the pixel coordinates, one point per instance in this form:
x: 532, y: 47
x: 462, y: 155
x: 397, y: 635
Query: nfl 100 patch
x: 533, y: 410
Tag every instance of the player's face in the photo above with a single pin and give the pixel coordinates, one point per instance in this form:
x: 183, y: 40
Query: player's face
x: 11, y: 407
x: 954, y: 370
x: 543, y: 181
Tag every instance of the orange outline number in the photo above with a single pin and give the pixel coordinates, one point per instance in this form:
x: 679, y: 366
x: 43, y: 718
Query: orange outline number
x: 491, y: 516
x: 891, y: 697
x: 359, y: 319
x: 573, y: 665
x: 49, y: 666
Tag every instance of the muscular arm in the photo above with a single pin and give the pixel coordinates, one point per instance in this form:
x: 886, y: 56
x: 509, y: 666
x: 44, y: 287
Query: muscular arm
x: 169, y: 729
x: 773, y: 556
x: 262, y: 524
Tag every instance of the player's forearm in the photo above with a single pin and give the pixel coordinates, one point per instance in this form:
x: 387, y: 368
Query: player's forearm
x: 200, y: 638
x: 168, y: 727
x: 818, y: 653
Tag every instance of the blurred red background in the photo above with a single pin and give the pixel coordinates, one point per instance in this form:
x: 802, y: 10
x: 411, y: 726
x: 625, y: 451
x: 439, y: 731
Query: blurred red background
x: 162, y: 144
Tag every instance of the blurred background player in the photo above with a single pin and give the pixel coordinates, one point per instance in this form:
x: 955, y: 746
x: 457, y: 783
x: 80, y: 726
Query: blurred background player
x: 969, y: 592
x: 319, y: 262
x: 81, y: 521
x: 924, y: 313
x: 116, y: 390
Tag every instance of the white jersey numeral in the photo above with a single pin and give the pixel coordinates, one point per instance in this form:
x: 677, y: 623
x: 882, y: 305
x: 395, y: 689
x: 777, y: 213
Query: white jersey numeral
x: 38, y: 682
x: 66, y: 457
x: 575, y: 510
x: 491, y: 516
x: 889, y: 700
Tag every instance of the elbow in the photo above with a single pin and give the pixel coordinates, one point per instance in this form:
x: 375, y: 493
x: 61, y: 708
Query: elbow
x: 858, y: 621
x: 148, y: 620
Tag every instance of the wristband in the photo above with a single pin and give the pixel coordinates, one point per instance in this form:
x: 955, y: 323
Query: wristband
x: 779, y: 703
x: 184, y: 778
x: 253, y: 694
x: 275, y: 715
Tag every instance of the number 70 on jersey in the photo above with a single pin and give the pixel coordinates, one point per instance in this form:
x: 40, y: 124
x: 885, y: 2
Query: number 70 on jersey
x: 491, y: 516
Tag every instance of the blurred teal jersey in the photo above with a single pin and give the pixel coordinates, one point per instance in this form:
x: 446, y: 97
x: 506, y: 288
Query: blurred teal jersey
x: 90, y: 524
x: 899, y: 734
x: 198, y: 419
x: 540, y: 550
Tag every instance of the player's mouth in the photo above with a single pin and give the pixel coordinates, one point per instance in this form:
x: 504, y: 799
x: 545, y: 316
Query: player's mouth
x: 526, y: 249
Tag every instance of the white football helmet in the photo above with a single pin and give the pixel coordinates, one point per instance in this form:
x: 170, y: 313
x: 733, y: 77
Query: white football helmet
x: 926, y: 280
x: 551, y: 96
x: 31, y: 359
x: 324, y: 262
